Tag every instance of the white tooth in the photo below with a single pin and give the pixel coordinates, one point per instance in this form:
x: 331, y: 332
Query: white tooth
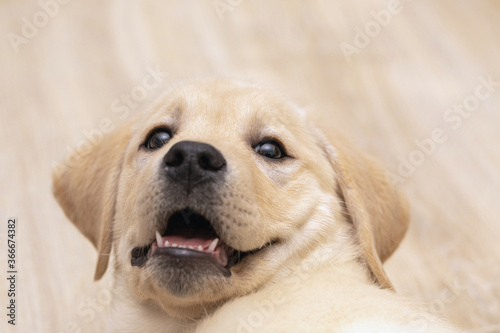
x: 174, y: 245
x: 158, y: 239
x: 191, y: 247
x: 212, y: 246
x: 200, y: 248
x: 166, y: 243
x: 182, y: 246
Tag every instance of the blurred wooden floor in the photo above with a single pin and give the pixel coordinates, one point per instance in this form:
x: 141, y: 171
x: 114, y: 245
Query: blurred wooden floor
x: 72, y: 72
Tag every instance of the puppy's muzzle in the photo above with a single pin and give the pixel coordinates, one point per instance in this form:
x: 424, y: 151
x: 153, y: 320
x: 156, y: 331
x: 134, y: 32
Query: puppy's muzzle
x: 191, y: 163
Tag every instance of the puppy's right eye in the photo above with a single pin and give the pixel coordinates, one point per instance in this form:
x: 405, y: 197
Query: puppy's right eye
x: 158, y: 138
x: 270, y: 149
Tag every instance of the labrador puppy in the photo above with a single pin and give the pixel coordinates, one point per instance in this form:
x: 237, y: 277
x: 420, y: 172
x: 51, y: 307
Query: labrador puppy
x: 223, y: 209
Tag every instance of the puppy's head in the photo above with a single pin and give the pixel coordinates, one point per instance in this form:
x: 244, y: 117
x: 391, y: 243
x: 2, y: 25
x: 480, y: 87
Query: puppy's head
x: 220, y: 188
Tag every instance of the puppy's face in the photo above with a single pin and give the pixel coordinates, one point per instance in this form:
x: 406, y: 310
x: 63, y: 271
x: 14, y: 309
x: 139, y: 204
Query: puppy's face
x: 221, y: 186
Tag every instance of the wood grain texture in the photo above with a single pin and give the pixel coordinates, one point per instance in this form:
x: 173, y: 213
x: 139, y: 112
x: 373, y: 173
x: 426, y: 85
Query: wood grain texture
x: 73, y: 72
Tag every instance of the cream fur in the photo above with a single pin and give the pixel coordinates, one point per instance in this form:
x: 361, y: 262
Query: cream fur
x: 331, y: 209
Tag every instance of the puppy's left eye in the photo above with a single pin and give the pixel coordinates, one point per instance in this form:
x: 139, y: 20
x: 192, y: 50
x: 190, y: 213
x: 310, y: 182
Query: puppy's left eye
x: 270, y: 149
x: 158, y: 138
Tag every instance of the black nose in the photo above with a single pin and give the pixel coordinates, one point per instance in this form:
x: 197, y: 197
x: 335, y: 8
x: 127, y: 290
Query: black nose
x: 191, y: 163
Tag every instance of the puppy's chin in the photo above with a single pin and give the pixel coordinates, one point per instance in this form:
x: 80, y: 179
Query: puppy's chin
x: 188, y: 286
x: 186, y: 273
x: 180, y: 277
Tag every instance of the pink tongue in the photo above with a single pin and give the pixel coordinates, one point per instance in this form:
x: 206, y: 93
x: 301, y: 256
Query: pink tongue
x: 195, y: 242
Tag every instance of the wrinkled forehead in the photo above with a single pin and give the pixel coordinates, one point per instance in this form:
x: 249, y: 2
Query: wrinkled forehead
x: 226, y: 107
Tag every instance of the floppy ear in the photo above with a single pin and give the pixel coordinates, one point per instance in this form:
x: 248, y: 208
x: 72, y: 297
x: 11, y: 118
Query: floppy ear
x: 375, y: 208
x: 86, y: 186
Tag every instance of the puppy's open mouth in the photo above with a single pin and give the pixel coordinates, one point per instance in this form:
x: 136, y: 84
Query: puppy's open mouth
x: 190, y: 236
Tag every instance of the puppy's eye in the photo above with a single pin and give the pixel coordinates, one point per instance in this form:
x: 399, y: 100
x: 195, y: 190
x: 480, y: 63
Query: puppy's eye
x: 270, y: 149
x: 158, y: 138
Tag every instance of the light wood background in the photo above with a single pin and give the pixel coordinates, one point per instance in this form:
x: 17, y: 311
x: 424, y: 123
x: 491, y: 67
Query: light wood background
x: 64, y: 80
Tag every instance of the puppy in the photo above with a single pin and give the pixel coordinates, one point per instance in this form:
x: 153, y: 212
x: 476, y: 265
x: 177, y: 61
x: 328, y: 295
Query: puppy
x: 224, y: 210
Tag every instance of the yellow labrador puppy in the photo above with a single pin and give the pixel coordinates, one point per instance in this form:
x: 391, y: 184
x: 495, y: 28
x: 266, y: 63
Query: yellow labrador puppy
x: 224, y: 210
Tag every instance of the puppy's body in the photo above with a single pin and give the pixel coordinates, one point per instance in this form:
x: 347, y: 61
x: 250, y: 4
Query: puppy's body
x: 336, y: 298
x: 225, y: 210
